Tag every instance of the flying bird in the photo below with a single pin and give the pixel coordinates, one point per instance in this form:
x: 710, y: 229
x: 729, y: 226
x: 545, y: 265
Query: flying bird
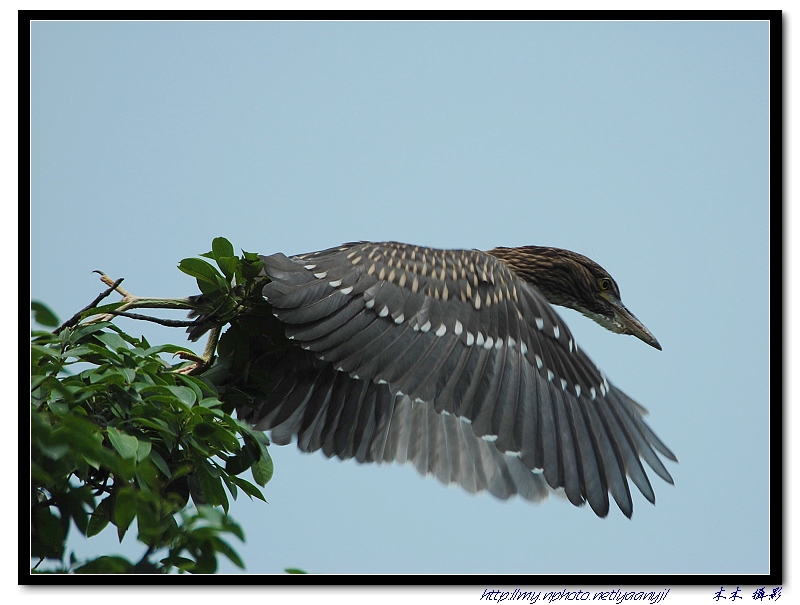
x: 453, y: 360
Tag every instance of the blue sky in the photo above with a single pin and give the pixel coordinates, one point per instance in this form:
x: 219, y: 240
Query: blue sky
x: 642, y: 145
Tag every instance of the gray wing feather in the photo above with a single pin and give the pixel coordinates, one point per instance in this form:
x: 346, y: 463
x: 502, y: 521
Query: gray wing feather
x: 350, y: 418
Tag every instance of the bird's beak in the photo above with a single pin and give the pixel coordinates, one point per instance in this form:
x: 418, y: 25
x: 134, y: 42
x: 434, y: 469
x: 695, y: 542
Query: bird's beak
x: 628, y: 323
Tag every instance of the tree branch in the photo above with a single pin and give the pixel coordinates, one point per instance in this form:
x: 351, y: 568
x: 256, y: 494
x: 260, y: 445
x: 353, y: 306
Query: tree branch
x: 171, y: 323
x: 73, y: 321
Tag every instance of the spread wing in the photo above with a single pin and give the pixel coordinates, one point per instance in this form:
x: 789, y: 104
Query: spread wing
x: 350, y: 418
x: 455, y: 339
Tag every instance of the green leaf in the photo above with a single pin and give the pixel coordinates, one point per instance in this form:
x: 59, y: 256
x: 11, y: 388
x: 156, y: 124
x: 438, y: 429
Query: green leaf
x: 197, y: 385
x: 204, y: 429
x: 106, y: 564
x: 223, y: 547
x: 83, y: 351
x: 49, y: 534
x: 263, y: 470
x: 221, y: 247
x: 294, y: 570
x: 236, y: 465
x: 160, y: 463
x: 124, y: 510
x: 148, y: 522
x: 232, y: 489
x: 83, y: 331
x: 126, y: 445
x: 112, y: 341
x: 43, y: 315
x: 228, y: 265
x: 210, y: 402
x: 248, y: 488
x: 208, y: 288
x: 185, y: 394
x: 202, y: 271
x: 211, y: 486
x: 143, y: 450
x: 167, y: 348
x: 181, y: 563
x: 73, y: 505
x: 100, y: 518
x: 45, y: 351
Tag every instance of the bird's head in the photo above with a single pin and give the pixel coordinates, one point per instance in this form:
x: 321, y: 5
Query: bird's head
x: 572, y: 280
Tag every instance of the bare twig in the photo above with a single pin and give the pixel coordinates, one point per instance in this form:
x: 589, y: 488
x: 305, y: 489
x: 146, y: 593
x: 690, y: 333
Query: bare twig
x: 107, y: 281
x: 202, y: 363
x: 170, y: 323
x: 72, y: 321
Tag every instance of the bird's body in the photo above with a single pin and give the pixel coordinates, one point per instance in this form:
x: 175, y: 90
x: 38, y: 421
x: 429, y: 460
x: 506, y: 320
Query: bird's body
x: 453, y: 360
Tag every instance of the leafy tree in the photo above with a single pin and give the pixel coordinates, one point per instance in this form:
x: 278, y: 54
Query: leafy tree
x: 119, y: 435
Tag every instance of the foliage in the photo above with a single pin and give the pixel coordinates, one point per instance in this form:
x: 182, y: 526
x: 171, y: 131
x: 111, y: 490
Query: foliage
x: 118, y: 435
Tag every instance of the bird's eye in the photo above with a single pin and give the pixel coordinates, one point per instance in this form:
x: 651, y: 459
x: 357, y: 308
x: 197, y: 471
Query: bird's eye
x: 605, y: 284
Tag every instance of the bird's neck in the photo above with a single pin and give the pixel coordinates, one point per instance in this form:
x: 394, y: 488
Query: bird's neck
x: 537, y: 265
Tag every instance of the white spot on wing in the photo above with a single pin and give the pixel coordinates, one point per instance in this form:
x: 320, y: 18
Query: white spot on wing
x: 441, y: 330
x: 489, y: 343
x: 524, y: 348
x: 479, y: 340
x: 458, y: 328
x: 556, y: 332
x: 539, y: 363
x: 383, y: 312
x: 370, y: 303
x: 563, y: 385
x: 578, y: 390
x: 320, y: 275
x: 489, y: 438
x: 593, y: 393
x: 309, y: 267
x: 425, y: 327
x: 335, y: 283
x: 470, y: 339
x: 513, y: 454
x: 550, y: 376
x: 540, y: 323
x: 346, y: 290
x: 399, y: 319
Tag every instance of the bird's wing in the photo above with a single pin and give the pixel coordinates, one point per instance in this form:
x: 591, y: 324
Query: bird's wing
x: 350, y: 418
x: 460, y: 331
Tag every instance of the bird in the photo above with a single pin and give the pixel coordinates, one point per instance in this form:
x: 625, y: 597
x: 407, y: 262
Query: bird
x: 452, y: 360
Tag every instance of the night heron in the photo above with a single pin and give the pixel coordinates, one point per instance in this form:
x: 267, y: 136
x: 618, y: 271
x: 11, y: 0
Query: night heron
x: 453, y: 360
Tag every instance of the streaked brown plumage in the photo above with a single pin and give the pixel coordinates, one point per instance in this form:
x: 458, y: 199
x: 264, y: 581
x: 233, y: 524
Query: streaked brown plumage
x: 453, y: 360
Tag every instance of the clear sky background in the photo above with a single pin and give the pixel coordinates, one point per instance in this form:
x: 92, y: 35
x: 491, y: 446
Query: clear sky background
x: 642, y: 145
